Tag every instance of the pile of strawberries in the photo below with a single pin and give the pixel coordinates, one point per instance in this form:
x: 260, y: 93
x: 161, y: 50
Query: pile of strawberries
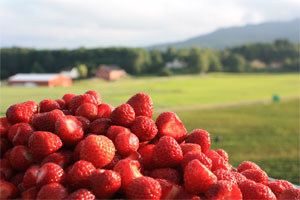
x: 78, y: 147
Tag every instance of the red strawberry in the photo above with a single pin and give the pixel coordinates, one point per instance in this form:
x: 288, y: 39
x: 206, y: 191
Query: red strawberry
x: 291, y: 193
x: 279, y: 186
x: 223, y: 154
x: 30, y: 193
x: 96, y: 95
x: 67, y: 98
x: 67, y: 112
x: 169, y: 124
x: 81, y: 194
x: 105, y: 183
x: 46, y: 121
x: 123, y: 115
x: 69, y: 130
x: 128, y: 170
x: 169, y: 190
x: 78, y: 100
x: 225, y: 175
x: 62, y: 158
x: 4, y: 126
x: 21, y: 112
x: 201, y: 137
x: 62, y: 103
x: 42, y: 144
x: 247, y: 165
x: 85, y: 123
x: 197, y: 178
x: 182, y: 194
x: 104, y: 110
x: 224, y: 190
x: 257, y: 175
x: 143, y: 188
x: 196, y: 155
x: 47, y: 105
x: 79, y: 174
x: 19, y: 133
x: 146, y: 154
x: 50, y: 173
x: 144, y: 128
x: 187, y: 147
x: 142, y: 104
x: 30, y: 176
x: 17, y: 179
x: 238, y: 177
x: 87, y: 110
x: 126, y: 143
x: 171, y: 175
x: 20, y: 158
x: 7, y: 190
x: 167, y: 153
x: 100, y: 126
x: 6, y: 169
x: 76, y: 152
x: 97, y: 149
x: 52, y: 191
x: 4, y: 146
x: 252, y: 190
x: 113, y: 131
x: 114, y: 161
x: 217, y: 161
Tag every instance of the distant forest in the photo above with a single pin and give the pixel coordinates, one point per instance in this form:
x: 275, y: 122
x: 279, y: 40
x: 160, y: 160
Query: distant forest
x: 253, y: 57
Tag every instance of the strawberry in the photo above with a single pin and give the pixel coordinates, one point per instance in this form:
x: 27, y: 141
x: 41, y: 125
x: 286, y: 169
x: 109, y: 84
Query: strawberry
x: 143, y: 188
x: 197, y: 178
x: 62, y: 158
x: 20, y: 158
x: 30, y: 176
x: 6, y: 169
x: 42, y: 144
x: 171, y: 175
x: 52, y: 191
x: 81, y: 194
x: 46, y: 121
x: 279, y: 186
x: 87, y: 110
x: 169, y: 124
x: 4, y: 126
x: 182, y: 194
x: 167, y: 153
x: 69, y: 129
x: 17, y: 179
x: 61, y: 103
x: 113, y: 131
x: 196, y: 155
x: 187, y: 147
x: 96, y: 95
x: 47, y: 105
x: 247, y: 165
x: 128, y: 170
x: 144, y: 128
x: 76, y: 151
x: 100, y: 126
x: 169, y: 190
x: 201, y: 137
x: 4, y: 146
x: 97, y: 149
x: 291, y: 193
x: 85, y: 123
x: 30, y: 193
x: 7, y: 190
x: 105, y: 183
x: 78, y: 100
x: 238, y: 177
x: 252, y: 190
x: 67, y: 98
x: 114, y: 161
x: 79, y: 174
x: 223, y: 190
x: 126, y: 143
x: 226, y: 175
x: 104, y: 110
x: 21, y: 112
x: 223, y: 154
x: 257, y: 175
x: 50, y: 173
x: 67, y: 112
x: 217, y: 161
x: 19, y: 133
x: 142, y: 104
x: 123, y: 115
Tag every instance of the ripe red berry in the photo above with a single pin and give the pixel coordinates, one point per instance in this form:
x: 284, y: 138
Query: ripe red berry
x: 78, y: 100
x: 50, y: 173
x: 126, y: 143
x: 21, y: 112
x: 224, y: 190
x: 47, y: 105
x: 62, y: 103
x: 196, y: 155
x: 223, y: 154
x: 238, y: 177
x: 7, y: 190
x: 144, y: 128
x: 171, y: 175
x: 87, y: 110
x: 20, y: 158
x: 30, y: 176
x: 123, y: 115
x: 67, y: 98
x: 104, y: 110
x: 187, y: 147
x: 81, y: 194
x: 4, y: 126
x: 114, y: 161
x: 217, y: 161
x: 30, y: 193
x: 5, y: 145
x: 257, y: 175
x: 6, y: 169
x: 62, y: 158
x: 291, y: 193
x: 146, y: 154
x: 100, y: 126
x: 142, y: 104
x: 85, y: 123
x: 113, y: 131
x: 46, y: 121
x: 252, y: 190
x: 96, y: 95
x: 52, y: 191
x: 225, y: 175
x: 19, y: 133
x: 247, y: 165
x: 201, y: 137
x: 279, y: 186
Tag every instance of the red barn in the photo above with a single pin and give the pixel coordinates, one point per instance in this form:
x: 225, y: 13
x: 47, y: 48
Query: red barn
x: 110, y: 72
x: 49, y: 80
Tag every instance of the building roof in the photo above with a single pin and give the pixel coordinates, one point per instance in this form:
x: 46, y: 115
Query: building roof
x: 111, y: 67
x: 32, y: 77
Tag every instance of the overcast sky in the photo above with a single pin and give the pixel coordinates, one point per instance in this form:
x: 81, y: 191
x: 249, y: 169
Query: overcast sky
x: 134, y: 23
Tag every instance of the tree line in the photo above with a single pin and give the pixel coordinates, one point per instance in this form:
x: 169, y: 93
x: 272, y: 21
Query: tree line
x: 138, y: 61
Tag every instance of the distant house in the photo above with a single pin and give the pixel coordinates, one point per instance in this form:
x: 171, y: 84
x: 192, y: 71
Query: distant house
x: 276, y: 64
x: 257, y: 64
x: 175, y: 64
x: 72, y: 73
x: 31, y: 80
x: 110, y: 72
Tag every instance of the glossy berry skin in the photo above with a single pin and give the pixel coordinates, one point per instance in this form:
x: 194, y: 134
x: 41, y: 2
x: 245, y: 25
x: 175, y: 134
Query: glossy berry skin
x: 105, y: 183
x: 279, y: 186
x: 52, y: 191
x: 142, y: 104
x: 7, y: 190
x: 113, y: 131
x: 169, y: 174
x: 62, y: 103
x: 79, y: 174
x: 143, y: 188
x: 97, y: 149
x: 247, y: 165
x: 223, y: 154
x: 78, y: 100
x: 196, y: 155
x: 30, y: 193
x: 226, y: 175
x: 291, y: 193
x: 67, y: 98
x: 20, y: 158
x: 252, y: 190
x: 146, y: 154
x: 217, y: 161
x: 81, y: 194
x: 187, y: 147
x: 197, y: 178
x: 46, y: 121
x: 100, y: 126
x: 85, y: 123
x: 47, y: 105
x: 126, y: 143
x: 259, y: 176
x: 123, y: 115
x: 62, y: 158
x: 201, y: 137
x: 104, y: 110
x: 238, y: 177
x: 169, y: 124
x: 87, y: 110
x: 30, y: 176
x: 19, y: 133
x: 167, y: 153
x: 224, y: 190
x: 21, y: 112
x: 50, y: 173
x: 4, y: 126
x: 144, y: 128
x: 114, y: 161
x: 96, y: 95
x: 5, y: 146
